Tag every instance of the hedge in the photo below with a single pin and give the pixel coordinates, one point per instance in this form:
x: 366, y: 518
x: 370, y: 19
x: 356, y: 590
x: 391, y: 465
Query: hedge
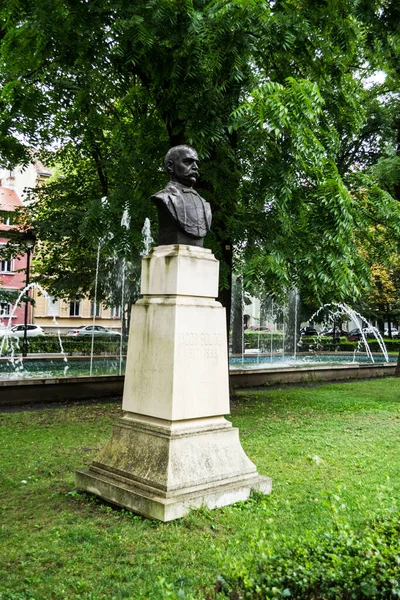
x: 262, y: 340
x: 339, y: 564
x: 71, y: 345
x: 342, y: 345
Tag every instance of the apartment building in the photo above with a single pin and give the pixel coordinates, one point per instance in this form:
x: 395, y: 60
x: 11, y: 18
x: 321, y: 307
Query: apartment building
x: 53, y: 314
x: 12, y: 270
x: 50, y: 313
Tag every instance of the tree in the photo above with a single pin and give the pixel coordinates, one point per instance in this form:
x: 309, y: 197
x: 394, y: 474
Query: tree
x: 271, y: 96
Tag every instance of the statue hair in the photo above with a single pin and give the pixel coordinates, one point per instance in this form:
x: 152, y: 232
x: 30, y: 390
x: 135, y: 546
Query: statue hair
x: 172, y: 153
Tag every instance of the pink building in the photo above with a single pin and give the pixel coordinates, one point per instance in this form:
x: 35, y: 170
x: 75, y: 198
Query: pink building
x: 12, y: 271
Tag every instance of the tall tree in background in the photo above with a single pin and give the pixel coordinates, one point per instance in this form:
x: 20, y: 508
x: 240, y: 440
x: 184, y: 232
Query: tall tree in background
x: 270, y: 94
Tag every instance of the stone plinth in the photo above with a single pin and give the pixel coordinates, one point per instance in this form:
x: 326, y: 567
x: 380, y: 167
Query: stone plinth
x: 162, y: 469
x: 173, y: 449
x: 180, y: 271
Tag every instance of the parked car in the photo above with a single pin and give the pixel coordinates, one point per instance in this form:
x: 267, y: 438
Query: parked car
x: 338, y: 332
x: 355, y: 334
x: 90, y: 330
x: 18, y: 330
x: 308, y: 330
x: 394, y: 332
x: 258, y: 328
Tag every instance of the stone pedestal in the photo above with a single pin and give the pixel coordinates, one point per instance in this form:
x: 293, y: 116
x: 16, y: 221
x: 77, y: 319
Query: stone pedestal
x: 173, y: 449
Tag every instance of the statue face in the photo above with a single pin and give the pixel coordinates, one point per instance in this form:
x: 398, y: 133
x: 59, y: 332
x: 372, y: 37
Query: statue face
x: 184, y: 168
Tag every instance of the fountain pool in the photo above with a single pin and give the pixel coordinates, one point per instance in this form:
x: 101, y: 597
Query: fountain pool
x: 40, y: 381
x: 282, y: 361
x: 81, y: 366
x: 42, y: 368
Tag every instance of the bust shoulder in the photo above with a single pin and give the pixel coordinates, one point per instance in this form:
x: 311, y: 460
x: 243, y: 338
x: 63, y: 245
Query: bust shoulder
x: 168, y: 193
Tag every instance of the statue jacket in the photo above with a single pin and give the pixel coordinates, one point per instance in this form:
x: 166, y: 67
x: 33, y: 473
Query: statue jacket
x: 188, y: 209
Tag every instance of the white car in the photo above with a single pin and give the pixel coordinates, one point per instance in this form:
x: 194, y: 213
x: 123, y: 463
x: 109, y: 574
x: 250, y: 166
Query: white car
x: 394, y: 330
x: 19, y: 330
x: 96, y: 330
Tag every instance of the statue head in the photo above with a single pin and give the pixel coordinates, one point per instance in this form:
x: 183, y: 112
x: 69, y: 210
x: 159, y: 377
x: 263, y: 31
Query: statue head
x: 182, y: 164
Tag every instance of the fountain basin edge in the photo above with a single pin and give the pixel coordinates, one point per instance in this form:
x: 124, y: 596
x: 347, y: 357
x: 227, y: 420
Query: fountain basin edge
x: 310, y: 374
x: 15, y: 392
x: 55, y: 389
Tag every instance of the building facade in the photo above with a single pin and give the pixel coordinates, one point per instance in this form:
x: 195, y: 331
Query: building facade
x: 12, y: 270
x: 50, y: 313
x: 59, y: 314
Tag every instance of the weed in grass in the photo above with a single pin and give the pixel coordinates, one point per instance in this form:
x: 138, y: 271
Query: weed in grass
x: 339, y: 562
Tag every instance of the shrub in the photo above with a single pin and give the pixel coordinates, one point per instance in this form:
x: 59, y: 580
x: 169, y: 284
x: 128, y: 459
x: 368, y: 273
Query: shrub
x: 341, y: 564
x: 327, y: 344
x: 263, y: 340
x: 266, y: 341
x: 73, y: 345
x: 320, y: 344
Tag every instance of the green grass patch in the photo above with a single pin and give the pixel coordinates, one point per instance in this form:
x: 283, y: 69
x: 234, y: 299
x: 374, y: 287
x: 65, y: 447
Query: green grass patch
x: 329, y: 448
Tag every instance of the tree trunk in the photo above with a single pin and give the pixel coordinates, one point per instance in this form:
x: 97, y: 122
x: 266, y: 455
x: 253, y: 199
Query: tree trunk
x: 237, y: 317
x: 397, y: 184
x: 225, y: 295
x: 222, y: 210
x: 381, y: 324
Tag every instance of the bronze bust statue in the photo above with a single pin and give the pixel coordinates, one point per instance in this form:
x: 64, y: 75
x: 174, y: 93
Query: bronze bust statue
x: 184, y: 217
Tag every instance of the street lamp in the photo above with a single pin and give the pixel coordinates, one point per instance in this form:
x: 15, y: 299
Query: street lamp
x: 28, y: 239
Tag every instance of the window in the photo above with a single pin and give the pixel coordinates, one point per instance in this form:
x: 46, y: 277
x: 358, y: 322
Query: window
x: 5, y: 309
x: 6, y: 218
x: 94, y: 309
x: 115, y: 312
x: 74, y: 308
x: 6, y: 266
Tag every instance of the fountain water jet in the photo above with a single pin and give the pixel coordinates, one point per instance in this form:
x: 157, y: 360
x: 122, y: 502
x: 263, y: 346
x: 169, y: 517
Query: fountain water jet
x: 95, y: 305
x: 8, y: 338
x: 147, y: 238
x: 355, y: 316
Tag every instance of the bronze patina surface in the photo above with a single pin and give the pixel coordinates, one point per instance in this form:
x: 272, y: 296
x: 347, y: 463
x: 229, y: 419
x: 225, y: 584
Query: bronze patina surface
x: 184, y: 217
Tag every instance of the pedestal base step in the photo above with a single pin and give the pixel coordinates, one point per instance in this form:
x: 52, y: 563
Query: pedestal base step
x: 162, y: 469
x: 179, y: 504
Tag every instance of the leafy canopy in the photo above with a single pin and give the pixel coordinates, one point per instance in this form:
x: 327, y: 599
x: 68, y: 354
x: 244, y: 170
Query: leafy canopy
x: 272, y: 96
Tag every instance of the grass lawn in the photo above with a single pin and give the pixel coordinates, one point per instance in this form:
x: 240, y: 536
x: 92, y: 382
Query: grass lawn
x: 333, y: 447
